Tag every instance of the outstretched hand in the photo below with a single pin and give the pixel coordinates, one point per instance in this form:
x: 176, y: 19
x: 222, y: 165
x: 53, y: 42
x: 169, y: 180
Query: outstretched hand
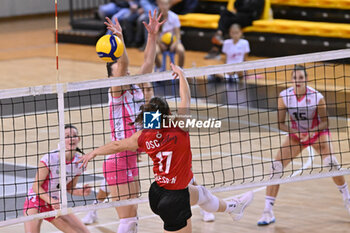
x: 154, y: 23
x: 85, y: 159
x: 177, y: 71
x: 115, y: 28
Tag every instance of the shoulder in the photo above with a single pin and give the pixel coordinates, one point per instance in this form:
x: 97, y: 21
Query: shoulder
x: 244, y: 41
x: 227, y: 41
x: 287, y: 92
x: 313, y: 91
x: 172, y: 15
x: 51, y: 159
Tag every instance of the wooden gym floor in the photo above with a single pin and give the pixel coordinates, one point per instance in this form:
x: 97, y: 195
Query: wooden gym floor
x: 27, y: 58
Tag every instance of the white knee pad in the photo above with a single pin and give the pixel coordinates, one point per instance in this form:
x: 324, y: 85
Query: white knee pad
x: 276, y: 170
x: 331, y: 163
x: 206, y: 200
x: 128, y: 225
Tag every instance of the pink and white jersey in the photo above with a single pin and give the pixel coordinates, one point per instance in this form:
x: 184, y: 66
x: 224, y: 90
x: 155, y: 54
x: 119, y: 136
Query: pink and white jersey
x: 123, y: 110
x: 303, y: 111
x: 52, y: 181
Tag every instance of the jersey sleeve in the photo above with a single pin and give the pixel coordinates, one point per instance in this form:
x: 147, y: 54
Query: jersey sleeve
x: 177, y: 23
x: 224, y: 47
x: 246, y: 47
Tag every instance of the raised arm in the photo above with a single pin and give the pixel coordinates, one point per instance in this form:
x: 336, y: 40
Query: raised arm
x: 120, y: 68
x: 150, y: 51
x: 130, y: 144
x: 185, y: 93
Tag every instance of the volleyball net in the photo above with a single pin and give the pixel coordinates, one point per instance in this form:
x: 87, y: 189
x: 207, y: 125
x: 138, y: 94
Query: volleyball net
x: 233, y: 145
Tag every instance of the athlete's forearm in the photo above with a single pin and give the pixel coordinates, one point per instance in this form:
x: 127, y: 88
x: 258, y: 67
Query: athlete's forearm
x: 285, y: 128
x: 322, y: 126
x: 150, y: 54
x: 185, y: 93
x: 110, y: 148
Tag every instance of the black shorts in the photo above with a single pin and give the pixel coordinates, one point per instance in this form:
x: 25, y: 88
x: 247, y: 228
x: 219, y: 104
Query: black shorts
x: 173, y: 206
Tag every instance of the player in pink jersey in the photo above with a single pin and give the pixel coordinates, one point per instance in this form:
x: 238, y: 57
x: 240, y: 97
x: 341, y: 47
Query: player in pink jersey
x: 171, y: 195
x: 309, y: 127
x: 44, y: 195
x: 120, y: 169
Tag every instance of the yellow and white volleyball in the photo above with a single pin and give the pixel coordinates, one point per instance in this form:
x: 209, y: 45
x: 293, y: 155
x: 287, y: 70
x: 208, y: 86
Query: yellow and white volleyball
x: 109, y: 48
x: 168, y: 38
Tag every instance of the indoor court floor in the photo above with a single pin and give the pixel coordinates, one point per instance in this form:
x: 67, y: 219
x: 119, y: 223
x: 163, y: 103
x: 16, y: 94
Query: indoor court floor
x: 27, y: 58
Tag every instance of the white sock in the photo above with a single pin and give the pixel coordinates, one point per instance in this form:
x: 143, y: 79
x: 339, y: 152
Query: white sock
x: 128, y: 225
x: 344, y: 191
x: 206, y: 200
x: 269, y: 202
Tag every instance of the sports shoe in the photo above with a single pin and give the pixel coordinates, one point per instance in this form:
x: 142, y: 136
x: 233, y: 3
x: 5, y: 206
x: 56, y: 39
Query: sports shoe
x: 217, y: 40
x: 240, y: 204
x: 213, y: 56
x: 207, y: 216
x: 90, y: 218
x: 267, y: 218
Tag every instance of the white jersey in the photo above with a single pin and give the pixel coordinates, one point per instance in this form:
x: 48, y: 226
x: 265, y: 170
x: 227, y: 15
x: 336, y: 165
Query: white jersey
x: 51, y: 184
x: 171, y: 23
x: 303, y: 111
x: 235, y: 52
x: 123, y: 110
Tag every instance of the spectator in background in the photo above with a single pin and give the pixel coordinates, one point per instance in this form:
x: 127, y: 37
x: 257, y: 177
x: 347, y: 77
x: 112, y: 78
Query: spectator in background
x: 142, y: 34
x: 172, y: 25
x: 236, y: 50
x: 128, y: 22
x: 183, y: 7
x: 245, y: 12
x: 110, y: 9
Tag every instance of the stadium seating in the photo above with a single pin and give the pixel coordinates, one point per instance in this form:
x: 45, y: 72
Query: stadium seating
x: 318, y: 36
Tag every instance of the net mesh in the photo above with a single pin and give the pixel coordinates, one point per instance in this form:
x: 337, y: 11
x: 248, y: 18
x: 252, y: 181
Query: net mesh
x: 237, y: 155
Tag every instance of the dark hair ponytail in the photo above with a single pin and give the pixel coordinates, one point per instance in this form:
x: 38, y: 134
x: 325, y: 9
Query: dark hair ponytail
x: 155, y: 104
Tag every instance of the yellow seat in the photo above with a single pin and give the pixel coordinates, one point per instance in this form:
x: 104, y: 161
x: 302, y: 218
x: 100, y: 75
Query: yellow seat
x: 304, y: 28
x: 335, y: 4
x: 210, y: 21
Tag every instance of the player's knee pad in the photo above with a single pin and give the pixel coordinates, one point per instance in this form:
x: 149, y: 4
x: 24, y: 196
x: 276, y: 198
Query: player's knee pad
x: 206, y: 200
x: 331, y: 162
x: 128, y: 225
x: 276, y: 169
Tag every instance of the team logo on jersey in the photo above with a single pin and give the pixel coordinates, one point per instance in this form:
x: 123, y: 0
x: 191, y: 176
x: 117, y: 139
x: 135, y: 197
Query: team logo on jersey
x: 151, y: 120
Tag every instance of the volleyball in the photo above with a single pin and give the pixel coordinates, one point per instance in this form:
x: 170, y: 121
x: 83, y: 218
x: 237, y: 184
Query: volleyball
x: 109, y: 48
x: 168, y: 38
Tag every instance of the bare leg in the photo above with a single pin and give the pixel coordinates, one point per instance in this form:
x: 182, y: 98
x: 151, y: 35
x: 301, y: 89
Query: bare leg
x: 34, y: 225
x: 69, y: 224
x: 324, y: 147
x: 290, y: 149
